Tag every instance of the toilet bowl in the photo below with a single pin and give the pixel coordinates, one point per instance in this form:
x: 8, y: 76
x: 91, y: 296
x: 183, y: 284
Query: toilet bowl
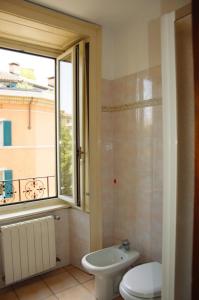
x: 142, y: 282
x: 108, y: 265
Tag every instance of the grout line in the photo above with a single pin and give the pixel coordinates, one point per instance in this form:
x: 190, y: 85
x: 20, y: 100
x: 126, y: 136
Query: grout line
x: 13, y: 289
x: 76, y: 278
x: 54, y: 294
x: 49, y: 288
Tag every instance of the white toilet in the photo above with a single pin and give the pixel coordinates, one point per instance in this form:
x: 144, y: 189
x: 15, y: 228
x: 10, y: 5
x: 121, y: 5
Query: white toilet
x: 142, y: 282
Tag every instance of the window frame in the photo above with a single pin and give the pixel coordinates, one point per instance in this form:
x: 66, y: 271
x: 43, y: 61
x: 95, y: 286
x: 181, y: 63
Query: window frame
x: 29, y: 11
x: 80, y: 116
x: 65, y: 54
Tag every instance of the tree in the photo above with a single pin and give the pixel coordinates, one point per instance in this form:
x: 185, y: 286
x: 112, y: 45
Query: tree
x: 65, y: 158
x: 28, y: 73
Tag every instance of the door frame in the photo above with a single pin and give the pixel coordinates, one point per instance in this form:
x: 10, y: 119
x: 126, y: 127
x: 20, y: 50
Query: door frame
x: 195, y: 259
x: 169, y: 96
x: 170, y: 144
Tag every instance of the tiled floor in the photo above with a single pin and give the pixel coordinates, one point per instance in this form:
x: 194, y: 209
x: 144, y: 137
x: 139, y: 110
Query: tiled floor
x: 68, y: 283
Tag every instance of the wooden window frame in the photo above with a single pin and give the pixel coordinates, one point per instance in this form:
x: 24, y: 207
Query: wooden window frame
x: 30, y: 11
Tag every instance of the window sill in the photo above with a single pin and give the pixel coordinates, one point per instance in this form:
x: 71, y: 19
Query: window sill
x: 9, y: 213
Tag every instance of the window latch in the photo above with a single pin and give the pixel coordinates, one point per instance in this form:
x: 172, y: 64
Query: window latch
x: 80, y: 152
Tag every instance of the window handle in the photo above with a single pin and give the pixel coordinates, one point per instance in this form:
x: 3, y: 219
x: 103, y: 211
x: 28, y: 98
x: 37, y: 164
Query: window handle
x: 80, y: 152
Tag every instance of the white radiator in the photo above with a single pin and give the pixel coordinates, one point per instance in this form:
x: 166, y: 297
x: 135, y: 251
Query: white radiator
x: 28, y: 248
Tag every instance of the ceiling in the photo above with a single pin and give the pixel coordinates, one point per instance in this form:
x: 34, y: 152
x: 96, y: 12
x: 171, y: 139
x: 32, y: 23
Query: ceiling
x: 110, y: 13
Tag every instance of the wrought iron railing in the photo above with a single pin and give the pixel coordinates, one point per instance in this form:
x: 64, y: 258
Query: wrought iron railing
x: 27, y: 189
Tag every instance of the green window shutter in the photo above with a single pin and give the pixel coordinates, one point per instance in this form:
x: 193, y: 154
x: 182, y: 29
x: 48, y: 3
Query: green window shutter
x: 8, y: 189
x: 7, y: 133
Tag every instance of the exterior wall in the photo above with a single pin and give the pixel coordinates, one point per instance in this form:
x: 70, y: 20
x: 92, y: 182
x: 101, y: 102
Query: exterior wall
x: 32, y: 153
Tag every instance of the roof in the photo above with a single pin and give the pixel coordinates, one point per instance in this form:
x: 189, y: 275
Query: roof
x: 5, y: 76
x: 10, y: 77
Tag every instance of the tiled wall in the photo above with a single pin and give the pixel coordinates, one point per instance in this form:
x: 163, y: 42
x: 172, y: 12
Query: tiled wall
x: 79, y: 235
x: 132, y: 161
x: 72, y: 237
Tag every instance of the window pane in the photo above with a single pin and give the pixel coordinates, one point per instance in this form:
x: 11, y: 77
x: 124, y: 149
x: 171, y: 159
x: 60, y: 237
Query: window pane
x: 27, y: 127
x: 66, y: 128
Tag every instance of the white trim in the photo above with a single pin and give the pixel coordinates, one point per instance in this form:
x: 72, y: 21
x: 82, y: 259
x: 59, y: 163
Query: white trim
x: 169, y: 154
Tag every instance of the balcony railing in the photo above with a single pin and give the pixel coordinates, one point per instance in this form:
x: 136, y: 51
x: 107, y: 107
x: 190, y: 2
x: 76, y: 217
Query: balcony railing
x: 26, y: 189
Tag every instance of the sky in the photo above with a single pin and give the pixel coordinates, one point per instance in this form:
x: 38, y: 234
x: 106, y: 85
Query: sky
x: 43, y: 68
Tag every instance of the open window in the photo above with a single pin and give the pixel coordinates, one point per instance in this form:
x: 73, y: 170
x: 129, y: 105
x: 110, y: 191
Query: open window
x: 73, y: 124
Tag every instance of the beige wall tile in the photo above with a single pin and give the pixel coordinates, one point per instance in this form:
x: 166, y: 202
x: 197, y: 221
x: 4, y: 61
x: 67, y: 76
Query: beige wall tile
x: 132, y: 208
x: 79, y: 228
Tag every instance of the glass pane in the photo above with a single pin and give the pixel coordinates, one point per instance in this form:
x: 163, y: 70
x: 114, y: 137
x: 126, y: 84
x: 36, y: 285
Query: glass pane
x: 27, y: 127
x: 66, y: 128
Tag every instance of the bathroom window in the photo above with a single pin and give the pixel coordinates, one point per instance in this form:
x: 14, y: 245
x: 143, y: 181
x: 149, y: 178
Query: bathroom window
x: 72, y: 125
x: 27, y: 127
x: 44, y: 140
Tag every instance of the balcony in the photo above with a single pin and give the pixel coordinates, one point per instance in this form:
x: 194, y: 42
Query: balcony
x: 27, y: 189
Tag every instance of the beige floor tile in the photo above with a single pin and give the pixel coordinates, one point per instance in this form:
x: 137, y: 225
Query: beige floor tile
x: 69, y: 267
x: 26, y: 282
x: 90, y: 285
x: 76, y: 293
x: 60, y: 282
x: 33, y: 291
x: 54, y: 272
x: 8, y: 296
x: 5, y: 290
x: 80, y: 275
x: 51, y: 298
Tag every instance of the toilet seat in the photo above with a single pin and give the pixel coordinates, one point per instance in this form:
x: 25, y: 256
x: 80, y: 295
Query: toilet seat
x: 143, y: 281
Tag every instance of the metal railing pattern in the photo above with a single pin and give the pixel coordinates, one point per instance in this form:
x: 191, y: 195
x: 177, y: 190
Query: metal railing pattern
x: 26, y: 189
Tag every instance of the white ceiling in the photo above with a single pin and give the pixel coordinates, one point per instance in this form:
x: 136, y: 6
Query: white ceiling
x: 111, y: 13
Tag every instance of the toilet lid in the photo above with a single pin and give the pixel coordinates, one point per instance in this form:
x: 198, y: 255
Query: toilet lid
x: 143, y: 281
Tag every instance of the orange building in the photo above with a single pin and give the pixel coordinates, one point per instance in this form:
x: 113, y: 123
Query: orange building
x: 27, y: 138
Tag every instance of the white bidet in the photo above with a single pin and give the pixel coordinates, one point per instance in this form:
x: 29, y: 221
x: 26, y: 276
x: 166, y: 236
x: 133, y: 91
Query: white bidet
x: 109, y: 265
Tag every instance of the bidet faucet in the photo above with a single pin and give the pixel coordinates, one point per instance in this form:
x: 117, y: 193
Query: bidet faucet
x: 125, y: 245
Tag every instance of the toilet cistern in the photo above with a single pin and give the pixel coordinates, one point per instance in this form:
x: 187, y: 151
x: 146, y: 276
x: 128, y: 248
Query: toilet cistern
x: 125, y: 245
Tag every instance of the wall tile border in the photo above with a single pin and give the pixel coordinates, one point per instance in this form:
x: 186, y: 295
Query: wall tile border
x: 134, y: 105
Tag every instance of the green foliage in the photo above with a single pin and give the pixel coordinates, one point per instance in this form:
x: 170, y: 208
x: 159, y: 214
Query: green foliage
x: 28, y: 73
x: 66, y: 159
x: 24, y: 86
